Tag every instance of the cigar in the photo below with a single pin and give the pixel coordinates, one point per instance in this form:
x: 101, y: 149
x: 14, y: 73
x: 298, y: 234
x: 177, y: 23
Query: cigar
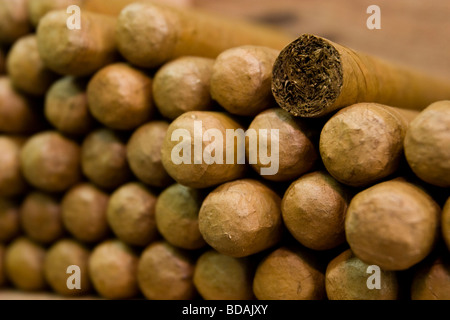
x: 289, y: 274
x: 24, y: 265
x: 77, y: 52
x: 66, y: 106
x: 426, y: 144
x: 2, y: 62
x: 445, y: 223
x: 104, y: 159
x: 60, y: 258
x: 12, y: 182
x: 131, y: 214
x: 183, y: 85
x: 121, y: 97
x: 220, y: 277
x: 51, y: 162
x: 19, y: 114
x: 9, y: 220
x: 40, y: 218
x: 313, y: 76
x: 83, y: 210
x: 144, y: 154
x: 3, y: 279
x: 363, y: 143
x: 241, y: 218
x: 347, y: 276
x: 39, y: 8
x: 393, y: 225
x: 165, y: 273
x: 192, y: 160
x: 176, y: 32
x: 112, y: 269
x: 241, y: 79
x: 288, y: 140
x: 432, y: 279
x: 176, y: 214
x: 14, y: 20
x: 313, y: 210
x: 26, y: 68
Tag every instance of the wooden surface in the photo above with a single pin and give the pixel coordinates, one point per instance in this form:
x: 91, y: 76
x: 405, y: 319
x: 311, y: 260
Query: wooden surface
x: 11, y: 294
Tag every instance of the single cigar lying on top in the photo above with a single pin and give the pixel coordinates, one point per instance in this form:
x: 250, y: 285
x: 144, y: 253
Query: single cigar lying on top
x: 363, y: 143
x: 77, y: 52
x: 163, y: 33
x: 313, y: 76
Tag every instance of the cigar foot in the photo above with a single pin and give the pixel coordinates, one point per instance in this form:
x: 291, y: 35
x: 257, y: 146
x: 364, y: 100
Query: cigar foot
x: 307, y: 76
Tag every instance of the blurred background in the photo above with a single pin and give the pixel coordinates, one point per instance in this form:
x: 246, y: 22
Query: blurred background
x: 413, y: 32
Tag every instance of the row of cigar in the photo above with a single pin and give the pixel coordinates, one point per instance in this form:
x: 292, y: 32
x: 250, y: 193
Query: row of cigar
x: 94, y: 172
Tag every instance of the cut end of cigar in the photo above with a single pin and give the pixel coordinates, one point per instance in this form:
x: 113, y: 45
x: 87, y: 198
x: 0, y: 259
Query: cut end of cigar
x: 307, y: 76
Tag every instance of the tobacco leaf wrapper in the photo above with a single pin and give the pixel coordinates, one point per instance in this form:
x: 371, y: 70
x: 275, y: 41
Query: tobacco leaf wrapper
x: 393, y: 225
x: 346, y: 279
x: 24, y: 265
x: 59, y: 257
x: 313, y: 77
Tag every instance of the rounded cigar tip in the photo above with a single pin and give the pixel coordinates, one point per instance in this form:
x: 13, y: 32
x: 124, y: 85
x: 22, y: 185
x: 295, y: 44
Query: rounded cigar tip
x: 146, y: 34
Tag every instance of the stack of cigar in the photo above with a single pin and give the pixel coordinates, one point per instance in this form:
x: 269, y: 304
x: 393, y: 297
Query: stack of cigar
x: 160, y: 152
